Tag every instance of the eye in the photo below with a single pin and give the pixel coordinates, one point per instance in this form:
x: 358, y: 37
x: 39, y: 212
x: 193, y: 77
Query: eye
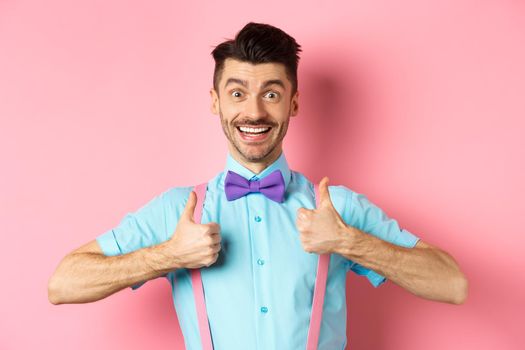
x: 236, y: 93
x: 272, y: 95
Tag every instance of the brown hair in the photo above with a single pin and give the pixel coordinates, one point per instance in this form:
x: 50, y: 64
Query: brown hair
x: 259, y: 43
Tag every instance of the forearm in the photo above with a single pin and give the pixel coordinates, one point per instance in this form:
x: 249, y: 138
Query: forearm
x: 87, y: 277
x: 425, y: 271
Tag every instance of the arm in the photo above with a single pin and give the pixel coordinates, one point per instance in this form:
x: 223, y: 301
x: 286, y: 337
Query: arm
x: 87, y: 275
x: 424, y: 270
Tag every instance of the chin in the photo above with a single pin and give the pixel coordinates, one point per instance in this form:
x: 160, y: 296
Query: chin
x: 256, y: 156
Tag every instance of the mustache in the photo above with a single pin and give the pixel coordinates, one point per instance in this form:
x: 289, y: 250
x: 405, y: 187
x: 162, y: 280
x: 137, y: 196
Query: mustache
x: 255, y: 123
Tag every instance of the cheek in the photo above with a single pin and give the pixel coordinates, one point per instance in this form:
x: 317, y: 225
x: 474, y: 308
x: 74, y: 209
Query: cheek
x: 283, y: 108
x: 230, y: 109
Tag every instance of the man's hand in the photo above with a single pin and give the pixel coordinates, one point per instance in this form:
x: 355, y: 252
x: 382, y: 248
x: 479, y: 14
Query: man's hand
x: 322, y: 229
x: 193, y: 245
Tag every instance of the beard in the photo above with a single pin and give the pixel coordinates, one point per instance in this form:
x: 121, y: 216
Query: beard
x: 254, y: 153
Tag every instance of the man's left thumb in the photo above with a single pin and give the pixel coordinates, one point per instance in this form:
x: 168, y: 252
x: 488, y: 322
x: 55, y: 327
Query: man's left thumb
x: 324, y: 195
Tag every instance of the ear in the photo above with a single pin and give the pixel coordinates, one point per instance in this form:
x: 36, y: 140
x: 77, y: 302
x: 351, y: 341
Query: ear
x: 294, y: 106
x: 214, y: 102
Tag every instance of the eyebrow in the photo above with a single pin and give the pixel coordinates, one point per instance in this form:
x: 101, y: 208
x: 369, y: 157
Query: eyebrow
x: 245, y: 83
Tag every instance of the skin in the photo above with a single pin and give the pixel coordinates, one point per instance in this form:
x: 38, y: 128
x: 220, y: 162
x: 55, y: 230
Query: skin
x: 254, y: 103
x: 86, y: 274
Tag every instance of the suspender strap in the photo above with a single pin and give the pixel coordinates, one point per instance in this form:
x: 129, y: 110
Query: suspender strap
x: 196, y: 279
x: 319, y: 292
x: 318, y: 297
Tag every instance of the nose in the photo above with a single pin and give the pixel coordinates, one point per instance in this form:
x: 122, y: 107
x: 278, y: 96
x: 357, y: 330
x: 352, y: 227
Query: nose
x: 255, y: 108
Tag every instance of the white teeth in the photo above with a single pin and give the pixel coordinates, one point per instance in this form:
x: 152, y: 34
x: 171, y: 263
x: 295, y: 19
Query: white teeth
x: 253, y: 130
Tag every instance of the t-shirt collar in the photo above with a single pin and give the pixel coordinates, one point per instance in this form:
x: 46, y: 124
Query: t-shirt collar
x: 279, y: 164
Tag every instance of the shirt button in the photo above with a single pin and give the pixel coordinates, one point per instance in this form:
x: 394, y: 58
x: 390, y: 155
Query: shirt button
x: 264, y: 309
x: 260, y: 261
x: 258, y: 218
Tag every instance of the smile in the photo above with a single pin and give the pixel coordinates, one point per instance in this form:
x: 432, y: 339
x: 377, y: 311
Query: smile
x: 253, y: 131
x: 253, y: 134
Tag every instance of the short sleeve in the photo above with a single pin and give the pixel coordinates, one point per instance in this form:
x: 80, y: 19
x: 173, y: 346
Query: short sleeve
x: 150, y: 225
x: 359, y: 212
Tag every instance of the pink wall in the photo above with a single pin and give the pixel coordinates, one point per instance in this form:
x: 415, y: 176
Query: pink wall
x: 420, y: 106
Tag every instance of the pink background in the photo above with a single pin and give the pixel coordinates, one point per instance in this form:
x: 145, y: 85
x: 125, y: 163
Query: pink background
x: 103, y: 105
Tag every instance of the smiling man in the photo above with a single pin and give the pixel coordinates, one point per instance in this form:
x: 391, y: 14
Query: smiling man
x: 259, y: 241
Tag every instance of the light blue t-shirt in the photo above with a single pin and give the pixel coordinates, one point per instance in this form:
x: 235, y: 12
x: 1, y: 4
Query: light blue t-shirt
x: 259, y: 291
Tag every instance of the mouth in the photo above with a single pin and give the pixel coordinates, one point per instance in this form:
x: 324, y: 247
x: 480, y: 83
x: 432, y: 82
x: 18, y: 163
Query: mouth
x: 252, y: 134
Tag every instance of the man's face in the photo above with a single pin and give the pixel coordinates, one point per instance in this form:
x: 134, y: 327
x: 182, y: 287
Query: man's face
x: 257, y: 97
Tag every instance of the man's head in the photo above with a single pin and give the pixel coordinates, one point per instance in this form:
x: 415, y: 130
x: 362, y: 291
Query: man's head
x: 255, y: 84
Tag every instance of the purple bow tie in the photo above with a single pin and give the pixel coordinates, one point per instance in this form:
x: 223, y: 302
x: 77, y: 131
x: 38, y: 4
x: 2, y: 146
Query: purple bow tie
x: 272, y: 186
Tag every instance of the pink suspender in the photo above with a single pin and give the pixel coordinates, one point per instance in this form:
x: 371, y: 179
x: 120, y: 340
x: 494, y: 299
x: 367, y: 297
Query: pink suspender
x: 196, y: 280
x: 319, y: 289
x: 318, y: 297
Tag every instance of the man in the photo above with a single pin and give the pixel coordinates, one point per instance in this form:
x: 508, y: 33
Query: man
x: 258, y: 252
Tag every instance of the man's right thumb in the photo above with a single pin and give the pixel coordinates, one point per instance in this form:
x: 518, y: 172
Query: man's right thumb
x: 190, y: 206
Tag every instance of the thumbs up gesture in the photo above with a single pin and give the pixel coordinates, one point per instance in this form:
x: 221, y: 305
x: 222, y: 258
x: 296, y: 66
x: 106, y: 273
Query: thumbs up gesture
x: 320, y: 230
x: 193, y: 245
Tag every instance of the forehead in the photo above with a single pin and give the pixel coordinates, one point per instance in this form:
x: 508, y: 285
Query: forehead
x: 254, y: 74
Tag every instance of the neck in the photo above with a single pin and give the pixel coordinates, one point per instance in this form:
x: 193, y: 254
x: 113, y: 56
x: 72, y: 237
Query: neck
x: 257, y: 166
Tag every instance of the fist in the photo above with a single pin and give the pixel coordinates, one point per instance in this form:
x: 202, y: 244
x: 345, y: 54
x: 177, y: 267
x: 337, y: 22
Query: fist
x: 321, y: 230
x: 194, y: 245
